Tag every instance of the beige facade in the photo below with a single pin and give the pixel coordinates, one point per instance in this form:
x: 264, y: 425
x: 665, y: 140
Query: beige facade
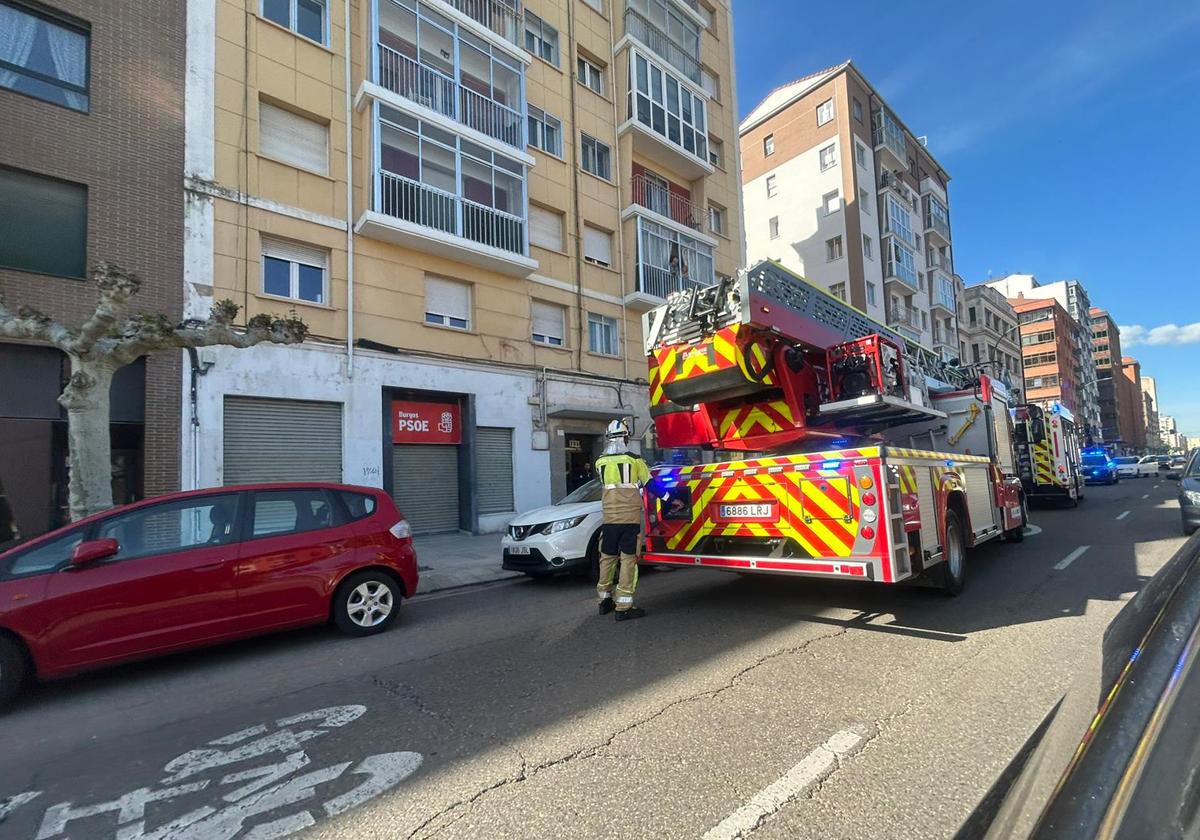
x: 467, y: 163
x: 988, y: 333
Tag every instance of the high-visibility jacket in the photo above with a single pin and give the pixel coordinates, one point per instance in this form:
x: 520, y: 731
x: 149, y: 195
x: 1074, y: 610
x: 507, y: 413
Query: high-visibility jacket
x: 623, y: 476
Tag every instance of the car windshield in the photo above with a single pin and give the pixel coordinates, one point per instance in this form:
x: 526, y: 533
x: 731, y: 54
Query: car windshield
x: 1194, y: 469
x: 1126, y: 460
x: 589, y: 492
x: 1095, y: 460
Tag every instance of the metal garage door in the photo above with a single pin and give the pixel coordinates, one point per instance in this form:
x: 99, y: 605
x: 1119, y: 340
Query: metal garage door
x: 425, y: 486
x: 282, y: 440
x: 494, y: 454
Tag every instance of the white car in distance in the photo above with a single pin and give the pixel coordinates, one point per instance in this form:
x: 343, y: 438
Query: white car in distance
x: 563, y: 537
x: 1130, y: 466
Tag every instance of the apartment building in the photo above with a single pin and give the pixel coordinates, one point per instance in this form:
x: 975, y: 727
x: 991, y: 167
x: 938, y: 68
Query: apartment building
x: 987, y: 329
x: 1150, y: 413
x: 839, y: 190
x: 1133, y: 406
x: 1106, y: 346
x: 471, y: 203
x: 1073, y: 297
x: 91, y: 147
x: 1052, y: 373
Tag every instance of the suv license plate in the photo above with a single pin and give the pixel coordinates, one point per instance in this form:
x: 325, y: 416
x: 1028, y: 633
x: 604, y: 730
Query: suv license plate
x: 749, y: 511
x: 518, y: 549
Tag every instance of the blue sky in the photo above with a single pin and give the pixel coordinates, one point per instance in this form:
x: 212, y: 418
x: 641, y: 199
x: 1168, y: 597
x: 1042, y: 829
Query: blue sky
x: 1071, y: 132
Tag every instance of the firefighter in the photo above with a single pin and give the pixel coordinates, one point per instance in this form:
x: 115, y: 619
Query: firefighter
x: 623, y: 475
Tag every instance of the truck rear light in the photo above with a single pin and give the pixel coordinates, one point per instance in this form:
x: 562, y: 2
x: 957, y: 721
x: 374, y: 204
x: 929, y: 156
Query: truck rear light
x: 868, y: 533
x: 868, y: 499
x: 401, y: 530
x: 868, y: 516
x: 866, y: 482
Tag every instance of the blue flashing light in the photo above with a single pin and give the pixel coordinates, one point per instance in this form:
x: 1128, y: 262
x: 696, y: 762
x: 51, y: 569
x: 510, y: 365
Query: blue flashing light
x: 831, y: 465
x: 839, y: 442
x: 1056, y: 408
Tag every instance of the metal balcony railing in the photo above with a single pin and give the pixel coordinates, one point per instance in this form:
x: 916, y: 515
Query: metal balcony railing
x: 904, y: 316
x: 421, y: 204
x: 660, y: 282
x: 890, y: 135
x: 441, y: 93
x: 936, y: 223
x: 652, y: 195
x: 640, y: 27
x: 501, y: 16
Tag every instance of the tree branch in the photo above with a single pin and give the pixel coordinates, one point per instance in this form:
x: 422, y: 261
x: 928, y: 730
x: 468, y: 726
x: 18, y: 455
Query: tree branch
x: 116, y: 287
x: 148, y: 333
x: 29, y: 323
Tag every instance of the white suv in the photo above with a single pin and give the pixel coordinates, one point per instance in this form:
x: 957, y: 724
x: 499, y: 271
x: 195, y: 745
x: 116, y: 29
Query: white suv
x: 1130, y: 466
x: 558, y: 538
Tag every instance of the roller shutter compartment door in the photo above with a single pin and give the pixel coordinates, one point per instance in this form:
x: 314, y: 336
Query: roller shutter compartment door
x: 494, y: 461
x: 270, y: 440
x: 425, y: 486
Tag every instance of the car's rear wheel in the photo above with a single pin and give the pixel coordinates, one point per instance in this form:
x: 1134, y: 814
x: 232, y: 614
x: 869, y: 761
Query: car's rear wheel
x: 14, y: 669
x: 366, y: 603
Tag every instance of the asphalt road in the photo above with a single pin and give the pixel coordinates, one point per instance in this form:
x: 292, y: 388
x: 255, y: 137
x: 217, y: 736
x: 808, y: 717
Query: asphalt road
x: 740, y: 705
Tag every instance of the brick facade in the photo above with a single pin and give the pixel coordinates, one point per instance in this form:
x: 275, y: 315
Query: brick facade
x: 128, y: 151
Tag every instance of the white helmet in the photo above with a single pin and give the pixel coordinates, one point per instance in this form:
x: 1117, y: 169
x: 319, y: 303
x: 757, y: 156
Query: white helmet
x: 617, y: 430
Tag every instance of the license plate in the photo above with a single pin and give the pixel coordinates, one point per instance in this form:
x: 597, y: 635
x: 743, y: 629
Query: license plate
x: 518, y: 549
x: 747, y: 511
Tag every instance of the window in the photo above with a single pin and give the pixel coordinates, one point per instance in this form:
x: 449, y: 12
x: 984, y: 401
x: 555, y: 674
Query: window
x: 773, y: 227
x: 716, y: 219
x: 665, y: 104
x: 597, y: 245
x: 828, y: 157
x: 598, y: 5
x: 898, y: 220
x: 831, y: 203
x: 45, y: 557
x: 769, y: 145
x: 281, y: 512
x: 924, y: 320
x: 549, y: 322
x: 856, y: 107
x: 772, y: 186
x: 912, y: 167
x: 833, y: 249
x: 602, y: 334
x: 716, y: 152
x: 304, y: 17
x: 825, y: 112
x: 975, y: 355
x: 545, y: 228
x: 864, y: 200
x: 295, y: 271
x: 293, y: 139
x: 971, y: 316
x: 590, y: 75
x: 44, y: 56
x: 596, y: 158
x: 838, y: 290
x: 172, y: 526
x: 1041, y: 359
x: 868, y: 247
x: 541, y: 38
x: 1037, y: 338
x: 710, y: 84
x: 360, y: 505
x: 44, y: 223
x: 900, y: 263
x: 871, y: 294
x: 447, y: 303
x: 860, y: 154
x: 545, y: 132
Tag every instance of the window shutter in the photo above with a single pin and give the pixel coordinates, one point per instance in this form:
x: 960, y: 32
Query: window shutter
x: 597, y: 245
x: 548, y: 319
x: 293, y: 139
x: 294, y: 252
x: 709, y: 82
x: 448, y: 297
x: 545, y: 228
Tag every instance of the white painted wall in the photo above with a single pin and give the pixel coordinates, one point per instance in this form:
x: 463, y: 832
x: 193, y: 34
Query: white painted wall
x: 868, y: 217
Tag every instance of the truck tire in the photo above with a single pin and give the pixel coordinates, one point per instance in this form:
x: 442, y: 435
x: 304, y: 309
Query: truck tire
x: 951, y: 573
x: 1017, y: 534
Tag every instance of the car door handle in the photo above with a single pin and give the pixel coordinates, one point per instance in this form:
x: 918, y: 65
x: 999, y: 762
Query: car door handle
x: 207, y: 567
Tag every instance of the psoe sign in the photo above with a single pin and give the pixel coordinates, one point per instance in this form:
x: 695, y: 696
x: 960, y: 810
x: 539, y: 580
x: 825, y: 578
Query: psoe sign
x: 426, y: 422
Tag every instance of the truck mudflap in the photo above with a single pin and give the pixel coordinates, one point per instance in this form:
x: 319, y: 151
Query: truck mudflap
x: 822, y: 514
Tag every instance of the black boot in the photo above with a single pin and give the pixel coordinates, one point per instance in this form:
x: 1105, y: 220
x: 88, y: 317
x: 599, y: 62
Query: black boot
x: 606, y: 606
x: 630, y: 614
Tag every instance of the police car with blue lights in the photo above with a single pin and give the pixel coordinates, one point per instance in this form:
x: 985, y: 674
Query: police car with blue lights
x: 1099, y: 468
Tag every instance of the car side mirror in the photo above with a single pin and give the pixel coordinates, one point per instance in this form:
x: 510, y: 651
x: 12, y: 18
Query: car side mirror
x: 93, y: 550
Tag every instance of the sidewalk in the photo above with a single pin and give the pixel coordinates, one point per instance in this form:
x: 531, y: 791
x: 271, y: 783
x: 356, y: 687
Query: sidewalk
x: 447, y: 560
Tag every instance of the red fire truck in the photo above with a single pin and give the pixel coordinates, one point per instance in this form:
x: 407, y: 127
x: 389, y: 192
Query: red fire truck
x: 861, y: 454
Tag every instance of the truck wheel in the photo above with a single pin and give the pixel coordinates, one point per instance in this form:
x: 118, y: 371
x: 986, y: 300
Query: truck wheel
x: 951, y: 573
x: 1017, y: 534
x: 14, y: 669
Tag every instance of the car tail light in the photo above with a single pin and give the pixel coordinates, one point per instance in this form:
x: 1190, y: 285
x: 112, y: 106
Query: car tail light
x: 401, y: 530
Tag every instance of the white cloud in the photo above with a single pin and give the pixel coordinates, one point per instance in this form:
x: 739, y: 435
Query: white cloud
x: 1167, y: 334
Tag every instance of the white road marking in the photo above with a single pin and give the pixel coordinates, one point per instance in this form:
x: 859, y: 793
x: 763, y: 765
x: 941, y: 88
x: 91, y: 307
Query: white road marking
x: 1145, y: 495
x: 1032, y: 530
x: 813, y: 769
x: 1071, y: 558
x: 1121, y: 516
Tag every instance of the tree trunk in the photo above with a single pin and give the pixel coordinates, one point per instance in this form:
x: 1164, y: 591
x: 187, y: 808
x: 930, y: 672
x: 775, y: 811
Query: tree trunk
x: 86, y: 399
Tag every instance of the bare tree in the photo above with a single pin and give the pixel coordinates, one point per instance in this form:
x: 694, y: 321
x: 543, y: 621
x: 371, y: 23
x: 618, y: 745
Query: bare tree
x: 111, y: 338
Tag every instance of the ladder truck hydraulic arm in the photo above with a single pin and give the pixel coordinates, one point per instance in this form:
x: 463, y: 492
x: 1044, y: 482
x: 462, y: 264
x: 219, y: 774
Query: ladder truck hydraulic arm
x: 858, y: 453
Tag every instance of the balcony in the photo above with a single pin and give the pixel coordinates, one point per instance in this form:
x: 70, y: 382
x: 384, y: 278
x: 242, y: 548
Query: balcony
x: 904, y: 316
x: 900, y: 266
x: 894, y: 181
x: 669, y: 122
x: 657, y: 196
x: 941, y: 292
x: 931, y: 187
x: 888, y: 137
x: 937, y: 221
x: 500, y: 16
x: 681, y: 57
x: 668, y: 261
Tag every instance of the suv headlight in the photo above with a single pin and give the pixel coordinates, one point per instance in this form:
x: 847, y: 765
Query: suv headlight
x: 562, y: 525
x: 1192, y: 496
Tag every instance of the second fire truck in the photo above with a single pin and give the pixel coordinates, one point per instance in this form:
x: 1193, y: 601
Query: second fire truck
x: 857, y: 453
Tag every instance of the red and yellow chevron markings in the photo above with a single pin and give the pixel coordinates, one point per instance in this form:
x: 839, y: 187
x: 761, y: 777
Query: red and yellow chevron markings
x: 756, y: 419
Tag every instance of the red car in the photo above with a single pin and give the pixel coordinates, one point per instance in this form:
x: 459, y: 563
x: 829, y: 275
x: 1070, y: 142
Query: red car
x: 200, y: 567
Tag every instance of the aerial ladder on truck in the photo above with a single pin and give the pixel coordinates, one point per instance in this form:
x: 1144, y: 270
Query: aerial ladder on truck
x: 866, y: 456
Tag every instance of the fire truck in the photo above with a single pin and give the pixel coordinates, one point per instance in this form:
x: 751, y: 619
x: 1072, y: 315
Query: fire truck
x: 856, y: 453
x: 1048, y: 452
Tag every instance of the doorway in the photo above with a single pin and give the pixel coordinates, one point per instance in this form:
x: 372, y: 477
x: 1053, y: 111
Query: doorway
x: 581, y: 453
